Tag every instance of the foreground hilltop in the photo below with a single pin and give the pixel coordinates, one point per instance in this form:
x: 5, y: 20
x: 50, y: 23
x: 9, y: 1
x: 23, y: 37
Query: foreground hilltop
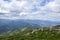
x: 30, y: 33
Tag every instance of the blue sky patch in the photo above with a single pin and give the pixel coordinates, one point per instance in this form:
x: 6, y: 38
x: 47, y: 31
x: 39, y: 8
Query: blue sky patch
x: 8, y: 0
x: 44, y: 2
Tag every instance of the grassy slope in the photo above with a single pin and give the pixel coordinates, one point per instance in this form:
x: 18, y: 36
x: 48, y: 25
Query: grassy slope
x: 37, y: 35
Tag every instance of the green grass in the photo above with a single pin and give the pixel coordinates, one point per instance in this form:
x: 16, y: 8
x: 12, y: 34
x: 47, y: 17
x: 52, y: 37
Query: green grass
x: 38, y: 35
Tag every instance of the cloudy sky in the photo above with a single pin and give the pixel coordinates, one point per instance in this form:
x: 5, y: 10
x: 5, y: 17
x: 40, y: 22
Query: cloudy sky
x: 30, y: 9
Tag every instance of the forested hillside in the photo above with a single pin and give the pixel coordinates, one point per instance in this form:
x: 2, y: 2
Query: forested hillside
x: 30, y: 33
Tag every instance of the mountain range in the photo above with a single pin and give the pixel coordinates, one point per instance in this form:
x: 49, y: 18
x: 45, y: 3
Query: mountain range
x: 7, y: 25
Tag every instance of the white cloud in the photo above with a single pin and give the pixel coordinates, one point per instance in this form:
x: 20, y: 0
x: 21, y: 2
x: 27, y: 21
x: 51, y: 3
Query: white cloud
x: 18, y: 9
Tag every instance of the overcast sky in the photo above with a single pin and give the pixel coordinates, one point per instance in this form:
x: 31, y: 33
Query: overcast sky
x: 30, y: 9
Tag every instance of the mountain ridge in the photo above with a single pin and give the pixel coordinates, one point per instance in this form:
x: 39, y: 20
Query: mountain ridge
x: 7, y: 25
